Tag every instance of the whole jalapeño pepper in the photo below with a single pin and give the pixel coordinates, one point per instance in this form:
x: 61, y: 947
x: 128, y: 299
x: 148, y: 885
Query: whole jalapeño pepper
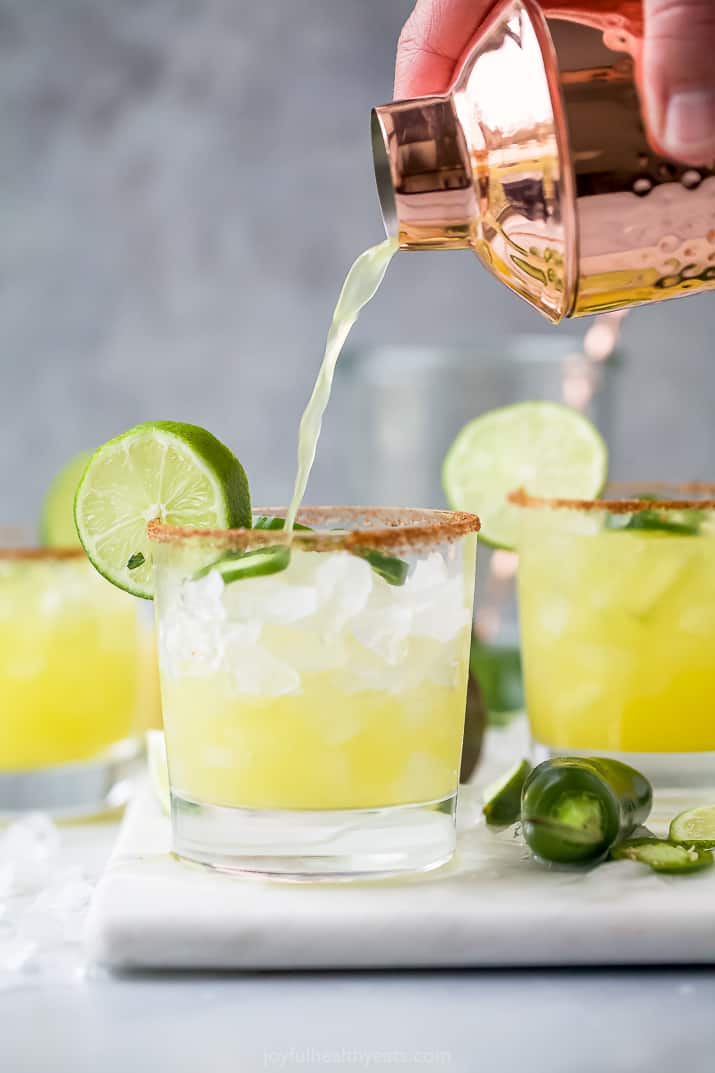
x: 574, y: 809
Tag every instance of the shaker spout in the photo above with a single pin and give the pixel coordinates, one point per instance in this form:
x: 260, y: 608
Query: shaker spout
x: 383, y: 176
x: 423, y: 174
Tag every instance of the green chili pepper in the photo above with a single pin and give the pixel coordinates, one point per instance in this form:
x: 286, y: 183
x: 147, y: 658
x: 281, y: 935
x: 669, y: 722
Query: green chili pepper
x: 663, y: 856
x: 265, y: 521
x: 573, y: 810
x: 235, y: 565
x: 675, y: 522
x: 393, y: 570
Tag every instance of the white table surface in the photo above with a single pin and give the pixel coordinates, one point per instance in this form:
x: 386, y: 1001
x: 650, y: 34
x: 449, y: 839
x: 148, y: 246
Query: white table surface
x: 555, y: 1021
x: 492, y: 905
x: 496, y: 1021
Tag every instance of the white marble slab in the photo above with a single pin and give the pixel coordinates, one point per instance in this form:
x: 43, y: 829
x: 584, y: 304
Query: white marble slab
x: 492, y: 906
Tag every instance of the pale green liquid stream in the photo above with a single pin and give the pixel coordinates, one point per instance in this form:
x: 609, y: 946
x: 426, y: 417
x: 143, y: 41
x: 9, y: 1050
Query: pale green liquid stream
x: 361, y: 284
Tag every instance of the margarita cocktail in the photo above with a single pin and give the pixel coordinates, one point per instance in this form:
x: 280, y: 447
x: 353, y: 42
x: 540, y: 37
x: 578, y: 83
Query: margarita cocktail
x: 313, y: 676
x: 314, y: 691
x: 69, y: 683
x: 617, y: 608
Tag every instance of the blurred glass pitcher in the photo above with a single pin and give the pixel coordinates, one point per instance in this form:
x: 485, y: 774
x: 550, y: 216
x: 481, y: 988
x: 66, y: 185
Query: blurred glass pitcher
x: 538, y: 158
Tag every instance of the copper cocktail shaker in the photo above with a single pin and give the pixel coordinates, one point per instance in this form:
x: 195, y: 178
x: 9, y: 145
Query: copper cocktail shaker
x: 539, y: 159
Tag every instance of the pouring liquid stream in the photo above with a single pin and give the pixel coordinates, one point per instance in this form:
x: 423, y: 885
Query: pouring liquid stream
x: 361, y: 284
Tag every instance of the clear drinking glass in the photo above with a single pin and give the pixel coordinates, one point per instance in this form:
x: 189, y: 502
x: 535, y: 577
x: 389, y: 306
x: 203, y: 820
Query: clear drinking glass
x: 617, y: 608
x: 314, y: 716
x: 406, y: 403
x: 69, y: 684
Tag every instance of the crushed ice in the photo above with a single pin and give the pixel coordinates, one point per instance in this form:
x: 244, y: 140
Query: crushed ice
x: 43, y: 905
x: 325, y: 611
x: 344, y: 584
x: 203, y: 598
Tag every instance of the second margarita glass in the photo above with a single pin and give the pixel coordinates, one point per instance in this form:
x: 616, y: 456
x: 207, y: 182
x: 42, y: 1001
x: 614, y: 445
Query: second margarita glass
x: 617, y: 609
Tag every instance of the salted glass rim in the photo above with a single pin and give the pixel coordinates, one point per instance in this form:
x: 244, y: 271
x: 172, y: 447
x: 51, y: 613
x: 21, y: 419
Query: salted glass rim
x: 621, y: 498
x: 41, y: 554
x: 12, y: 549
x: 397, y: 527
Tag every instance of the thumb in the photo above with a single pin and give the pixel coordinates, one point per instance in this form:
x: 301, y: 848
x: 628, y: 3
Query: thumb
x: 679, y: 77
x: 431, y: 42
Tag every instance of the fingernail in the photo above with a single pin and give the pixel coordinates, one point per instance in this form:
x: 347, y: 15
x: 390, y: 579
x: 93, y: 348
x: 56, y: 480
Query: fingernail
x: 690, y: 124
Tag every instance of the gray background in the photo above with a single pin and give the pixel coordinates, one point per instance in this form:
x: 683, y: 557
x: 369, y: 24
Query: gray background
x: 182, y: 187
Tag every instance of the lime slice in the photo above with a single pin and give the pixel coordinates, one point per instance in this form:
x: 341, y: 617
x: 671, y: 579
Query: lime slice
x: 695, y: 827
x: 57, y: 528
x: 158, y: 768
x: 662, y: 856
x: 543, y: 447
x: 502, y: 800
x: 178, y: 473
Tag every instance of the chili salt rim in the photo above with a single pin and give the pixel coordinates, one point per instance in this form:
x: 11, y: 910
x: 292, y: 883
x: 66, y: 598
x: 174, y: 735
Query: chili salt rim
x: 626, y: 504
x: 41, y: 554
x: 424, y: 528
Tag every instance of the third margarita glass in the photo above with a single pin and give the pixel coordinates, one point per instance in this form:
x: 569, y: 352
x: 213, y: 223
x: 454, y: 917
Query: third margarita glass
x: 69, y: 683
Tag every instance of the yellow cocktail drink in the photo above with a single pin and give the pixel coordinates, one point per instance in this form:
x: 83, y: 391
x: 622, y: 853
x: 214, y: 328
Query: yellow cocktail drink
x: 330, y: 693
x: 68, y: 662
x: 323, y: 746
x: 618, y: 627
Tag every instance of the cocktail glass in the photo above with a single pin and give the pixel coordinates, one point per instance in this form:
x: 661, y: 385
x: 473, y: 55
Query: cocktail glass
x: 617, y: 608
x: 314, y: 716
x: 406, y: 404
x: 69, y: 684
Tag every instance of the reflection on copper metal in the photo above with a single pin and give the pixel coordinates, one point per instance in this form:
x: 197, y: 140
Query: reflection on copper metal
x: 538, y: 159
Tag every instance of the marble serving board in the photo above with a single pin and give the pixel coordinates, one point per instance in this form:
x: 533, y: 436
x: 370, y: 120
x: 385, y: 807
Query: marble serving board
x: 491, y: 906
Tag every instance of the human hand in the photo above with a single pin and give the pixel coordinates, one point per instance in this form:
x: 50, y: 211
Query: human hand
x: 677, y: 73
x: 678, y: 77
